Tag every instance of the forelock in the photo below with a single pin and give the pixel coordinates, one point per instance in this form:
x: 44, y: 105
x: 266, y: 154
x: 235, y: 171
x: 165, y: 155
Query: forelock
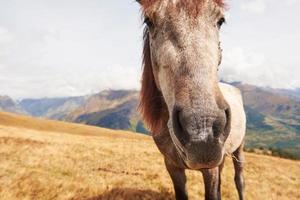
x: 192, y: 7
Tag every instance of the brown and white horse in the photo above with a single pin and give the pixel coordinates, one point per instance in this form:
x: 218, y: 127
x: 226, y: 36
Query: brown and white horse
x: 195, y: 120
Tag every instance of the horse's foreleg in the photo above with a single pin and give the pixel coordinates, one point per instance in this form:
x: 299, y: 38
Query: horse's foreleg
x: 238, y: 162
x: 220, y: 173
x: 211, y: 182
x: 179, y: 180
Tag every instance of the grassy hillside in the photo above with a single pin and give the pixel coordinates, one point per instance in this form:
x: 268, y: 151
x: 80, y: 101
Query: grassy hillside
x: 265, y: 132
x: 25, y: 122
x: 42, y: 159
x: 272, y: 121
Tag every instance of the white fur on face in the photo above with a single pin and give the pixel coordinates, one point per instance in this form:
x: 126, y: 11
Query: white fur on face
x: 185, y: 54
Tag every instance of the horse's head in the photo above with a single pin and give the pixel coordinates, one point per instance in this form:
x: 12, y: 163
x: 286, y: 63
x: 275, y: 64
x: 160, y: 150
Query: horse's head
x: 181, y: 59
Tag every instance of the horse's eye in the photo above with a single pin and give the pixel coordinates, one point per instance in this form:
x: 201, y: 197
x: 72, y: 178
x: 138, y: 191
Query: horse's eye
x: 148, y: 22
x: 221, y: 22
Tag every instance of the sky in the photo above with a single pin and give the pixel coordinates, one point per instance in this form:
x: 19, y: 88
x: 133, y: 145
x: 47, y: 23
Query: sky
x: 53, y: 48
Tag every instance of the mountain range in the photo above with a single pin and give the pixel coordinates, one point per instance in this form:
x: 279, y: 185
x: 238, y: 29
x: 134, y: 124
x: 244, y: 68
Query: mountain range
x: 273, y: 115
x: 9, y: 105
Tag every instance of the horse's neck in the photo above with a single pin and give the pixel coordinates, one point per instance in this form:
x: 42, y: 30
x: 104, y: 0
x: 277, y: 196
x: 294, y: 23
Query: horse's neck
x: 238, y: 119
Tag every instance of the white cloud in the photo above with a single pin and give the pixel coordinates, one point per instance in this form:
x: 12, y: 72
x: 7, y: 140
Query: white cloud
x: 291, y: 2
x: 249, y: 67
x: 5, y: 36
x: 254, y: 6
x: 64, y: 48
x: 6, y: 39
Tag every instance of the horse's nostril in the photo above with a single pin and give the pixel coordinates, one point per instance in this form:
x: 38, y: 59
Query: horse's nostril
x: 220, y: 123
x: 218, y: 127
x: 177, y: 119
x: 228, y: 122
x: 179, y: 125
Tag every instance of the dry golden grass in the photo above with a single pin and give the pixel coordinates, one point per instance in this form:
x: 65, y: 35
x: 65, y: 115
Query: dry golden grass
x: 42, y: 159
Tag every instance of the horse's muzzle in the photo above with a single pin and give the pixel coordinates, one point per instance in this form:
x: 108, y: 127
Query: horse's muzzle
x: 199, y: 138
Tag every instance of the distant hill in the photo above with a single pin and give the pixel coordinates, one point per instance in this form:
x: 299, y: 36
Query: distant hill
x: 111, y: 109
x: 45, y: 159
x: 292, y: 93
x: 51, y: 108
x: 273, y: 115
x: 116, y: 109
x: 9, y: 105
x: 271, y: 103
x: 273, y: 120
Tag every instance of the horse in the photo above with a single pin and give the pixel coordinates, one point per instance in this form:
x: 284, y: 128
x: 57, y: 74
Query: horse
x: 194, y: 119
